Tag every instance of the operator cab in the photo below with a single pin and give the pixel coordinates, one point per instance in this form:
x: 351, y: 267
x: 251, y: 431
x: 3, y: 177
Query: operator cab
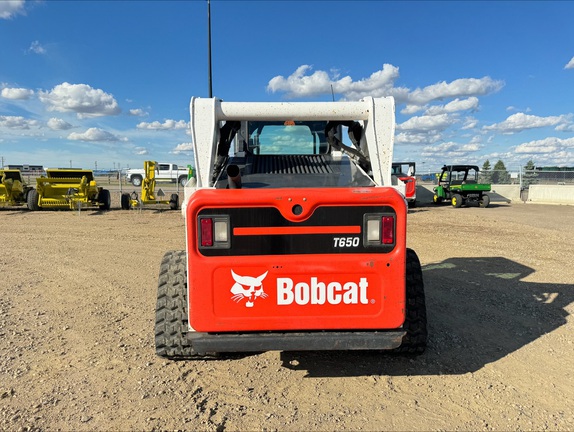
x: 277, y: 154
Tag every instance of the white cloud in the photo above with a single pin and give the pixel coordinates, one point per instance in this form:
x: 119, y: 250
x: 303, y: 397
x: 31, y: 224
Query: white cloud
x: 456, y: 105
x: 138, y: 112
x: 10, y: 8
x: 548, y: 145
x: 140, y: 151
x: 567, y: 126
x: 166, y: 125
x: 81, y: 99
x: 463, y: 87
x: 301, y: 84
x: 17, y: 93
x: 58, y: 124
x: 37, y: 48
x: 427, y: 123
x: 183, y: 148
x: 519, y: 122
x: 412, y: 109
x: 570, y: 64
x: 417, y: 138
x: 468, y: 148
x: 18, y: 122
x: 469, y: 123
x: 513, y: 108
x: 93, y: 134
x: 477, y: 139
x: 449, y: 150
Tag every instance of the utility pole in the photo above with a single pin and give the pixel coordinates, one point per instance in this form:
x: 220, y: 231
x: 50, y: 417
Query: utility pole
x: 209, y: 47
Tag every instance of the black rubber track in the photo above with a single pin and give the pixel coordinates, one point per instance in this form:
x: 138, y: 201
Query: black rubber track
x: 171, y: 310
x: 415, y: 341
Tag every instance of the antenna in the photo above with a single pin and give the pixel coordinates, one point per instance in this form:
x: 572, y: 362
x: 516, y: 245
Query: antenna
x: 332, y: 94
x: 209, y: 48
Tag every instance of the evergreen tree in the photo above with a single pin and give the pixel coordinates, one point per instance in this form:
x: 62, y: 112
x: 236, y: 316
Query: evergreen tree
x: 529, y: 174
x: 486, y: 173
x: 500, y: 174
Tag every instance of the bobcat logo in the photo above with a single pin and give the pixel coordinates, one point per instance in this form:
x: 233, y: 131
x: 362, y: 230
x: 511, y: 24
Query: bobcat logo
x: 247, y: 287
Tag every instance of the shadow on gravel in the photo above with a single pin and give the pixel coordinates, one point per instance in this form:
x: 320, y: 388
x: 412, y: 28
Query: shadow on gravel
x: 479, y: 311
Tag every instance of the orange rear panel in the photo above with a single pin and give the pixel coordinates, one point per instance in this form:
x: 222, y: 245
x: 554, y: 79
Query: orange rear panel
x: 296, y: 260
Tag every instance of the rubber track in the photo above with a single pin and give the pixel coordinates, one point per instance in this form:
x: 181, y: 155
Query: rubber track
x: 171, y: 310
x: 415, y: 341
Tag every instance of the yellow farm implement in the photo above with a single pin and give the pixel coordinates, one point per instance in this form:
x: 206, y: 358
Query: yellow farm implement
x: 13, y: 191
x: 68, y: 188
x: 148, y: 194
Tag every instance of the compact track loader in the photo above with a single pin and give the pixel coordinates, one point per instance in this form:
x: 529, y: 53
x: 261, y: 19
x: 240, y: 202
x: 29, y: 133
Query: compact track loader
x: 295, y: 240
x: 405, y: 173
x: 148, y: 194
x: 13, y: 190
x: 68, y: 188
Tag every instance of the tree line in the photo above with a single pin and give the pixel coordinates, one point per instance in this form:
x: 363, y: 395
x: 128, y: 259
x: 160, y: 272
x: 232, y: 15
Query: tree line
x: 500, y: 175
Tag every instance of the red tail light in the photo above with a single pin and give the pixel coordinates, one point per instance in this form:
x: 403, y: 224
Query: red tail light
x: 379, y: 229
x: 388, y: 230
x: 214, y: 231
x: 206, y: 232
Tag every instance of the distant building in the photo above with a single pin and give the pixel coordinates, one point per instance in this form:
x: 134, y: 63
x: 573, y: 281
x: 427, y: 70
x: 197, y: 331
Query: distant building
x: 32, y: 169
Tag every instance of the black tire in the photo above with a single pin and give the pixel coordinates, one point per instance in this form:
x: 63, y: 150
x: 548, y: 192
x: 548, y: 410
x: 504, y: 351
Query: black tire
x: 182, y: 181
x: 171, y: 310
x: 137, y: 180
x: 456, y: 200
x: 125, y: 201
x: 412, y: 204
x: 484, y: 201
x: 436, y: 199
x: 174, y: 202
x: 415, y: 341
x: 105, y: 199
x: 32, y: 200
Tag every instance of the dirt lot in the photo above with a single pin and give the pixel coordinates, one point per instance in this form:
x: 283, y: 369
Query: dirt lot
x: 77, y: 302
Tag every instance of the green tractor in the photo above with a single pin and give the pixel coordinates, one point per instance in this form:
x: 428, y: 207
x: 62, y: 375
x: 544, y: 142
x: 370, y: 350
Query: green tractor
x: 460, y: 185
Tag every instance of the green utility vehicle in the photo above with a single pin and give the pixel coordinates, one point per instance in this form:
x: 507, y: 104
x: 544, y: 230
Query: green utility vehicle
x: 460, y: 185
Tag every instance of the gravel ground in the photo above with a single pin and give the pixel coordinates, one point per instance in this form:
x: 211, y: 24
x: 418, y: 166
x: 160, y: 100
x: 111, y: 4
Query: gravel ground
x: 77, y: 353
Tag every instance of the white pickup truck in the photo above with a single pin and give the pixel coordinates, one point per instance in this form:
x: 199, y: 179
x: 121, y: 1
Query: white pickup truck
x: 166, y: 172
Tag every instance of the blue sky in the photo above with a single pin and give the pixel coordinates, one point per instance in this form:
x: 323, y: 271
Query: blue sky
x: 109, y: 82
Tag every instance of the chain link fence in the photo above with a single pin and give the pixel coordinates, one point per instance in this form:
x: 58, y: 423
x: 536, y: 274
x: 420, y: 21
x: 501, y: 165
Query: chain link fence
x: 526, y: 178
x: 518, y: 176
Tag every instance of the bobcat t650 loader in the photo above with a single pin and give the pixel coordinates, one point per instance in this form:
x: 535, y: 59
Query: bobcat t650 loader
x: 295, y: 239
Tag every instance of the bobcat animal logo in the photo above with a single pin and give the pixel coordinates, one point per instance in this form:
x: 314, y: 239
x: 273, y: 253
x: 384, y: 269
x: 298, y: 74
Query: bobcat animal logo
x: 247, y: 287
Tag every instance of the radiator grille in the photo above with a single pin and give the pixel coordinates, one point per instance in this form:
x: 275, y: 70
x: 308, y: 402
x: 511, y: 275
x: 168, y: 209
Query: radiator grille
x: 289, y: 164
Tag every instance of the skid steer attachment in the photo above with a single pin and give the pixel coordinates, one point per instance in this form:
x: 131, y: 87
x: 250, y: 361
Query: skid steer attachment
x: 295, y: 239
x: 148, y: 194
x: 13, y: 190
x: 64, y: 188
